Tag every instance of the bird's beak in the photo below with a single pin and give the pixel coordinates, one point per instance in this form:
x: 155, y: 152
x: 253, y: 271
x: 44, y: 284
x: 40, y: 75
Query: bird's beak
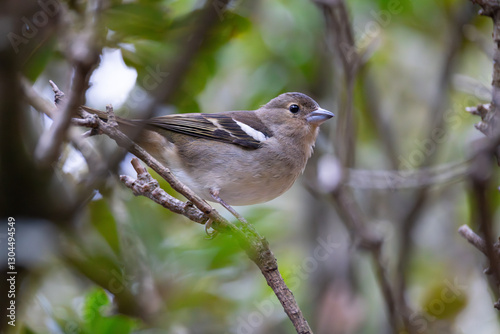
x: 318, y: 116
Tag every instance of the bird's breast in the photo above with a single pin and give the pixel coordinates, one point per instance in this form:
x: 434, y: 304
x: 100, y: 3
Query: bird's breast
x: 242, y: 176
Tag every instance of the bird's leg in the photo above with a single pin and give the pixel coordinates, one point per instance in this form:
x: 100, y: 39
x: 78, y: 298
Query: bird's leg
x: 208, y: 224
x: 215, y: 195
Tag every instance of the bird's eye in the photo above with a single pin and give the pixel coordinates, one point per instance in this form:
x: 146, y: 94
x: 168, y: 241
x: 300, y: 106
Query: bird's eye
x: 294, y: 108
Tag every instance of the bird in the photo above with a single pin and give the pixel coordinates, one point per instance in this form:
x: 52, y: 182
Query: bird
x: 234, y: 157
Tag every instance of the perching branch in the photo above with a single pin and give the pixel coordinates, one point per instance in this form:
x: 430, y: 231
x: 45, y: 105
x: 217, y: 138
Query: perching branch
x: 255, y: 246
x: 199, y: 211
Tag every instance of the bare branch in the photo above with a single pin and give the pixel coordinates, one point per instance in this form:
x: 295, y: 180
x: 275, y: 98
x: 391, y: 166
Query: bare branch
x: 396, y: 179
x: 84, y: 56
x: 489, y: 7
x: 92, y: 157
x: 58, y: 94
x: 481, y: 176
x: 209, y: 17
x: 351, y: 215
x: 473, y: 238
x: 147, y: 186
x: 490, y: 121
x: 383, y: 125
x: 343, y: 46
x: 342, y: 42
x: 481, y: 171
x: 410, y: 218
x: 36, y: 101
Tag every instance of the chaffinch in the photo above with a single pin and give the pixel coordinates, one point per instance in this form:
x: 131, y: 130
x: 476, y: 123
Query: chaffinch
x: 236, y: 157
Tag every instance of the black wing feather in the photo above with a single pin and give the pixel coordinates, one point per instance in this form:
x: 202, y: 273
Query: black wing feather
x: 220, y: 127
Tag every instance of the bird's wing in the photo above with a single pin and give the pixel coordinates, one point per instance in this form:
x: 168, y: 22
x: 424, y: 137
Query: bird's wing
x: 241, y: 128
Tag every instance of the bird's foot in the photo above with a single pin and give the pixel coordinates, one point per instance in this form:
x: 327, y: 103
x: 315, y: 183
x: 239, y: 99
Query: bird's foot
x: 210, y: 234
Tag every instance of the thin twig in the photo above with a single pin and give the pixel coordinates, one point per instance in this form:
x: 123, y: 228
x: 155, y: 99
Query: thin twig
x: 473, y: 238
x: 42, y: 105
x: 58, y: 94
x: 411, y: 217
x: 396, y: 179
x: 342, y: 42
x: 355, y: 222
x: 146, y: 185
x: 490, y: 121
x: 383, y: 125
x: 481, y: 177
x: 175, y: 74
x: 195, y: 40
x: 84, y: 59
x: 481, y: 169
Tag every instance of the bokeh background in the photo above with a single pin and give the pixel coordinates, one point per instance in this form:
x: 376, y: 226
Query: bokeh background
x: 398, y: 75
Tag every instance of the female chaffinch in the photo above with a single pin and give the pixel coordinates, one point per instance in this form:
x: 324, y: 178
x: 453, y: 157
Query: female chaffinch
x: 235, y: 157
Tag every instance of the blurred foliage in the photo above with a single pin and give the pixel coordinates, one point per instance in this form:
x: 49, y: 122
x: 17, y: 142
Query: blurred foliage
x: 95, y: 319
x: 126, y: 265
x: 444, y: 303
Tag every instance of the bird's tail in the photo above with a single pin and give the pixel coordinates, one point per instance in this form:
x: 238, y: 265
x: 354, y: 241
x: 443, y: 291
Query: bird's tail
x: 128, y: 126
x: 139, y: 131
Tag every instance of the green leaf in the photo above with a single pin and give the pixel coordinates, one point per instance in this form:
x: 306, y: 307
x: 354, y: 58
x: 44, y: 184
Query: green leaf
x: 104, y: 222
x: 444, y: 300
x: 27, y: 330
x: 96, y: 322
x: 94, y: 301
x: 146, y: 20
x: 38, y: 60
x: 205, y: 65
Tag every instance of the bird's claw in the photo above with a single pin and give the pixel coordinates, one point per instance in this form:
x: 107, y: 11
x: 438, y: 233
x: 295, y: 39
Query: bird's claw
x: 210, y: 235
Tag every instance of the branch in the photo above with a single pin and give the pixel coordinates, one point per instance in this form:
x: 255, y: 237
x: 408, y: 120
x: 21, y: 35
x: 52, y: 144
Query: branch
x: 410, y: 218
x: 481, y: 170
x: 147, y: 186
x: 489, y: 7
x: 398, y: 179
x: 351, y: 215
x: 211, y: 14
x: 342, y: 43
x: 481, y: 173
x: 91, y: 156
x: 383, y: 125
x: 490, y: 121
x: 84, y: 55
x: 194, y: 41
x: 255, y: 246
x: 492, y: 252
x: 474, y: 239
